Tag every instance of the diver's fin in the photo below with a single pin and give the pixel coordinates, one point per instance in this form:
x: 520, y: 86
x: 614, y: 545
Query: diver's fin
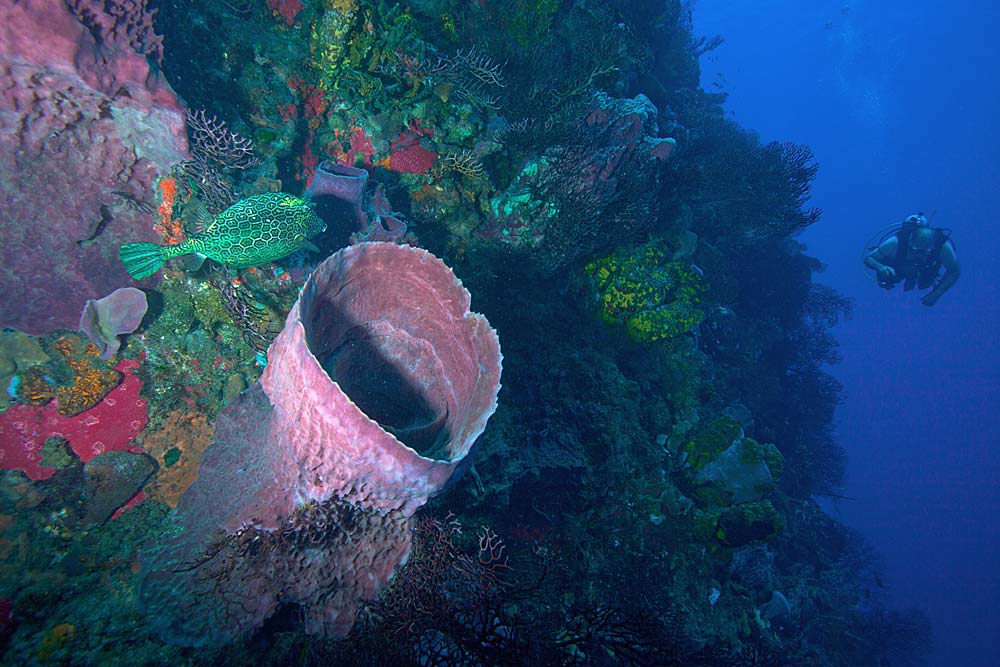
x: 192, y: 261
x: 141, y: 260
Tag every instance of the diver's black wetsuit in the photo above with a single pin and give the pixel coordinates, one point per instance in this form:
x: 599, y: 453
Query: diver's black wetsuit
x: 915, y: 256
x: 914, y: 268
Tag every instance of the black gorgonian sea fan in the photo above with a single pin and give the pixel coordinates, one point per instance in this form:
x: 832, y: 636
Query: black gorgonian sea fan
x: 216, y: 151
x: 254, y: 319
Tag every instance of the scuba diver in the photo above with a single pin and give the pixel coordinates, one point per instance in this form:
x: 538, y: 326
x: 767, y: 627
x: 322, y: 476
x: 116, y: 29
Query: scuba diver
x: 914, y: 254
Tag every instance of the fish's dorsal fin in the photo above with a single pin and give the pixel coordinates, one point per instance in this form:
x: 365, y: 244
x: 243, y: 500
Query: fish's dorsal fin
x: 198, y: 217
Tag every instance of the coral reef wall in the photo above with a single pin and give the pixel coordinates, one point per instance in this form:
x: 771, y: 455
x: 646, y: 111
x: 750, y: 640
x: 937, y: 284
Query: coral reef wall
x: 327, y: 489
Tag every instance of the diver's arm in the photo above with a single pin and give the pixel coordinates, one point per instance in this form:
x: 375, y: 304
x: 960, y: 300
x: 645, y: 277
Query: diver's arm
x: 877, y: 257
x: 949, y: 260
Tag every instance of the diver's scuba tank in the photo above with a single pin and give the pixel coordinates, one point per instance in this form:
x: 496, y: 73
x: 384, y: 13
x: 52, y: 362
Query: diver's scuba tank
x: 873, y: 242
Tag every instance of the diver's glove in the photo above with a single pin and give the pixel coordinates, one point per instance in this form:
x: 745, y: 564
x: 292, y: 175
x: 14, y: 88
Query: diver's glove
x: 885, y: 272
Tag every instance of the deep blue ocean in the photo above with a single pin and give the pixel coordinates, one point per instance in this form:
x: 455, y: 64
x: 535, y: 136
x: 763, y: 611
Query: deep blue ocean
x: 896, y: 100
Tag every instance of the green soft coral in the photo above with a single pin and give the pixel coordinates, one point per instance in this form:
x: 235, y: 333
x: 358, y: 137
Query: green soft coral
x: 349, y: 42
x: 743, y: 524
x: 528, y: 21
x: 711, y: 440
x: 754, y: 451
x: 645, y: 292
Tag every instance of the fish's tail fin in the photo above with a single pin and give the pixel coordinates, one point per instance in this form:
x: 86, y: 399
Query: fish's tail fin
x: 141, y: 260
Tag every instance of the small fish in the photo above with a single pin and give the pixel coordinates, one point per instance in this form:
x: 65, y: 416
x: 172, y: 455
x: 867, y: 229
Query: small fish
x: 253, y: 231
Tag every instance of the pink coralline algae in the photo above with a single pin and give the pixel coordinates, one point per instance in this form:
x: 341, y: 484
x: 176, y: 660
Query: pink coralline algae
x: 286, y: 9
x: 407, y: 156
x: 361, y: 144
x: 110, y: 425
x: 374, y: 394
x: 85, y: 129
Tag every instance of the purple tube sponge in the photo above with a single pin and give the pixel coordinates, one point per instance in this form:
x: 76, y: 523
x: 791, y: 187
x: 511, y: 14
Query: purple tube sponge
x: 348, y: 184
x: 386, y: 227
x: 104, y: 319
x: 341, y: 182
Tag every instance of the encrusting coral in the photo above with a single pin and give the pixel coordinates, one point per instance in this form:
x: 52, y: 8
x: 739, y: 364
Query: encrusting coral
x: 90, y: 378
x: 177, y: 446
x: 651, y: 296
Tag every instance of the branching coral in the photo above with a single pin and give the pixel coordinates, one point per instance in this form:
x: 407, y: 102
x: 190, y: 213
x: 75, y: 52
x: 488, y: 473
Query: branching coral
x: 470, y: 76
x: 216, y: 150
x: 580, y: 53
x: 445, y: 588
x: 464, y: 163
x: 526, y: 21
x: 473, y: 76
x: 258, y: 323
x: 213, y: 142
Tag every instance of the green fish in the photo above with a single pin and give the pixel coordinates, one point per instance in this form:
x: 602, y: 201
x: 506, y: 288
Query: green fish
x: 255, y: 230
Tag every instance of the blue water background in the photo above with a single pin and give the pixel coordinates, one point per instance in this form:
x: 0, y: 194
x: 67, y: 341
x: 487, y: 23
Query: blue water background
x: 899, y: 101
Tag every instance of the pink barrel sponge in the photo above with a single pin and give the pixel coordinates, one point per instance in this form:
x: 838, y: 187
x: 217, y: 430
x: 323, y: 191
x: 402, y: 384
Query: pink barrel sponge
x: 374, y: 393
x: 381, y: 350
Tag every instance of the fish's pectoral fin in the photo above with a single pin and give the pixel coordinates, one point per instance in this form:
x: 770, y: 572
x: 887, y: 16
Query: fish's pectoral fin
x: 193, y: 261
x: 309, y: 245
